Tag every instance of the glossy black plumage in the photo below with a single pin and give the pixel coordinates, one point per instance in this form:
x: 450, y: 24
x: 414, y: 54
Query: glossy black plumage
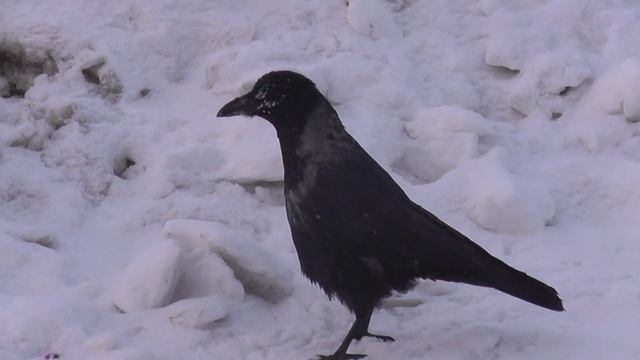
x: 357, y: 234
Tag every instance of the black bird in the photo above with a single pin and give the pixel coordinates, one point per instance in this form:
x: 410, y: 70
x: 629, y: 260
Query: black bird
x: 356, y: 232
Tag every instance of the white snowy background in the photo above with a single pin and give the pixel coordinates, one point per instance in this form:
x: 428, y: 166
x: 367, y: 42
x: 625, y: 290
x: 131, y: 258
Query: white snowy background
x: 136, y: 225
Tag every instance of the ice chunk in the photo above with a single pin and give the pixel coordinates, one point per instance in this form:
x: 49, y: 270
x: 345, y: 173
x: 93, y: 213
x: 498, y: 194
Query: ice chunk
x: 197, y: 312
x: 243, y: 151
x: 257, y: 269
x: 149, y: 281
x: 205, y: 273
x: 370, y: 17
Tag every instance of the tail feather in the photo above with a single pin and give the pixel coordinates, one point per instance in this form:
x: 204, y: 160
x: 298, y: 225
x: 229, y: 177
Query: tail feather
x: 447, y: 254
x: 518, y: 284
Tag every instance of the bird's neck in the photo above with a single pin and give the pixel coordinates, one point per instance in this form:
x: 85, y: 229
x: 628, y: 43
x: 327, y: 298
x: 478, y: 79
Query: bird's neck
x: 306, y: 146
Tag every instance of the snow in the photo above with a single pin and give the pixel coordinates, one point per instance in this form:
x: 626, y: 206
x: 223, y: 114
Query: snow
x: 136, y: 225
x: 259, y: 272
x: 149, y: 281
x: 506, y: 203
x: 371, y: 18
x: 197, y: 312
x: 446, y: 136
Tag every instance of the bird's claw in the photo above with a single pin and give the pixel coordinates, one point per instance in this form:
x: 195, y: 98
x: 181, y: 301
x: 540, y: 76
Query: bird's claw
x: 341, y: 356
x: 384, y: 338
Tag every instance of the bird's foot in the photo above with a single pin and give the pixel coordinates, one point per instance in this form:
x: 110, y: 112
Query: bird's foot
x: 341, y: 356
x: 384, y: 338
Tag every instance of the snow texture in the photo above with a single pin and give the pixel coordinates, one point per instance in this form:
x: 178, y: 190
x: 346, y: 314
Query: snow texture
x: 136, y: 225
x: 149, y: 281
x: 255, y: 268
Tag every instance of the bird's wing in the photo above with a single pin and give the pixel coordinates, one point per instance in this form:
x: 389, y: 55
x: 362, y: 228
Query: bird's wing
x: 405, y: 238
x: 443, y: 252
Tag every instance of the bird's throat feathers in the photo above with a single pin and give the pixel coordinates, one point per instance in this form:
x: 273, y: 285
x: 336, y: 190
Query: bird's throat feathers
x: 316, y: 141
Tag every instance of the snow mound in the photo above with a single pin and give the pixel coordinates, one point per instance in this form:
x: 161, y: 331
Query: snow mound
x: 238, y: 153
x: 257, y: 269
x: 238, y: 150
x: 445, y: 137
x: 513, y: 48
x: 149, y: 281
x: 546, y: 73
x: 372, y: 18
x: 546, y: 82
x: 616, y: 91
x: 503, y: 202
x: 20, y: 260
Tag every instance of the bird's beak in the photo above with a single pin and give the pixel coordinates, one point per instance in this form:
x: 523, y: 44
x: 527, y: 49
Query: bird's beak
x: 243, y: 105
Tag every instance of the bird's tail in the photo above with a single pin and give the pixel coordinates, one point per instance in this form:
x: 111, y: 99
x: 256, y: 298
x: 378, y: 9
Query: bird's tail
x: 516, y: 283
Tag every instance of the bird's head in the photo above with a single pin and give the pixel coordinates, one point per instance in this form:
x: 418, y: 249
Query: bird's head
x: 281, y: 97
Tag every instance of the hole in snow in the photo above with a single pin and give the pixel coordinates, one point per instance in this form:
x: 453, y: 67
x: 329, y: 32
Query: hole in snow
x: 91, y: 73
x: 107, y: 83
x: 503, y: 72
x: 564, y: 91
x: 18, y: 68
x: 121, y: 165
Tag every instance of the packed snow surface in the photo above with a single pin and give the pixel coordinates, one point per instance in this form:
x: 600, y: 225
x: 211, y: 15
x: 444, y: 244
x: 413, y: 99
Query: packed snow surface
x: 136, y: 225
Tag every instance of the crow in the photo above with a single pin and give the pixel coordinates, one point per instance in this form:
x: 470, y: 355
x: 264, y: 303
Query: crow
x: 357, y: 234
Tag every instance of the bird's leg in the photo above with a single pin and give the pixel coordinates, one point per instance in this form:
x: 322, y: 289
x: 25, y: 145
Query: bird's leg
x: 359, y: 329
x: 363, y: 330
x: 359, y: 325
